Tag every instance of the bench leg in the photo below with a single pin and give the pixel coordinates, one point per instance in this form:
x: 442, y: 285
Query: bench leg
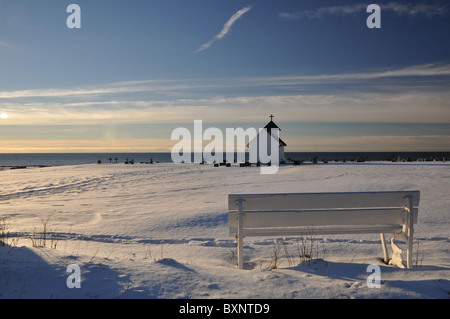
x: 240, y: 254
x: 410, y: 234
x: 240, y: 237
x: 385, y: 251
x: 409, y: 252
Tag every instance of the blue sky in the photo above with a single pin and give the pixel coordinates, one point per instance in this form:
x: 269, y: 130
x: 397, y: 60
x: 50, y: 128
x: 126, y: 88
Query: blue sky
x: 136, y: 70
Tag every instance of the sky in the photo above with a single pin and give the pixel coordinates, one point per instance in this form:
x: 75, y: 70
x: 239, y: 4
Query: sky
x: 136, y: 70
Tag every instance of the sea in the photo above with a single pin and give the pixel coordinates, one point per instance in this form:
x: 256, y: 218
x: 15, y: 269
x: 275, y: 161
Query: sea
x: 21, y: 160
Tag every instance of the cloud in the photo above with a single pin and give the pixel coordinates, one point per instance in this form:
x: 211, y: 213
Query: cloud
x: 381, y: 143
x: 338, y: 107
x: 427, y: 9
x: 321, y: 12
x: 412, y: 94
x: 206, y: 86
x: 415, y: 71
x: 106, y: 89
x: 226, y: 28
x: 98, y: 145
x: 8, y: 46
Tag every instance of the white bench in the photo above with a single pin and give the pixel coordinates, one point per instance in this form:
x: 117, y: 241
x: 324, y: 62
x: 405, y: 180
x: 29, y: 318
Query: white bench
x: 324, y: 214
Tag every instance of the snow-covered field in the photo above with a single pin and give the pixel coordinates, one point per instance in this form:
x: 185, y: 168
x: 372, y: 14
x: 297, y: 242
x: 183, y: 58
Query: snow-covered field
x: 161, y: 231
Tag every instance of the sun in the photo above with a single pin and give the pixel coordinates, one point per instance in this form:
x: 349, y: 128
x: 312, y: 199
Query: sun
x: 3, y: 116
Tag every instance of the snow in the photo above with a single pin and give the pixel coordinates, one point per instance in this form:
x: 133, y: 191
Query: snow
x: 161, y: 231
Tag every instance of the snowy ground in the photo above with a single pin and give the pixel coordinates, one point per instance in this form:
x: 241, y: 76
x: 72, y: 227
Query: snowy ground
x: 161, y: 231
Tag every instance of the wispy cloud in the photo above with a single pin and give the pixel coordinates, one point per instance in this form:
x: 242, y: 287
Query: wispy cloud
x: 226, y: 28
x: 99, y: 145
x: 392, y: 95
x: 8, y: 46
x: 106, y: 89
x: 113, y: 117
x: 427, y: 9
x: 382, y: 143
x: 416, y: 71
x: 399, y: 106
x: 205, y: 86
x: 360, y: 107
x: 322, y: 12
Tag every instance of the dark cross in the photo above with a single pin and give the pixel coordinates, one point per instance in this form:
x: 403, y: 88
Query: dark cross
x: 271, y: 117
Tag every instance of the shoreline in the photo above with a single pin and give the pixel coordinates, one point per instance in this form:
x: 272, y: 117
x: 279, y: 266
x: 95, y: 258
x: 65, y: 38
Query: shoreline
x: 26, y: 166
x: 21, y: 160
x: 289, y: 163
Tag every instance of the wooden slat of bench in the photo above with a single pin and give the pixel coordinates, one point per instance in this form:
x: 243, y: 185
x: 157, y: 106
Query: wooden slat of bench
x: 293, y: 218
x: 323, y: 200
x: 320, y: 230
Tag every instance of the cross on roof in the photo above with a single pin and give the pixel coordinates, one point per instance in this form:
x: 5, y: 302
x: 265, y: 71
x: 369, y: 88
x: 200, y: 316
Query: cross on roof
x: 271, y: 117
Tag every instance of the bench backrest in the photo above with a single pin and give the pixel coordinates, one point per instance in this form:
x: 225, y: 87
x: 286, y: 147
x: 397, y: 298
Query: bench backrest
x: 322, y: 209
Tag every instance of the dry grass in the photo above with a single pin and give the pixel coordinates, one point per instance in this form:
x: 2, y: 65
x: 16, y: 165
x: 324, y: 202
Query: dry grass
x: 307, y: 250
x: 40, y: 239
